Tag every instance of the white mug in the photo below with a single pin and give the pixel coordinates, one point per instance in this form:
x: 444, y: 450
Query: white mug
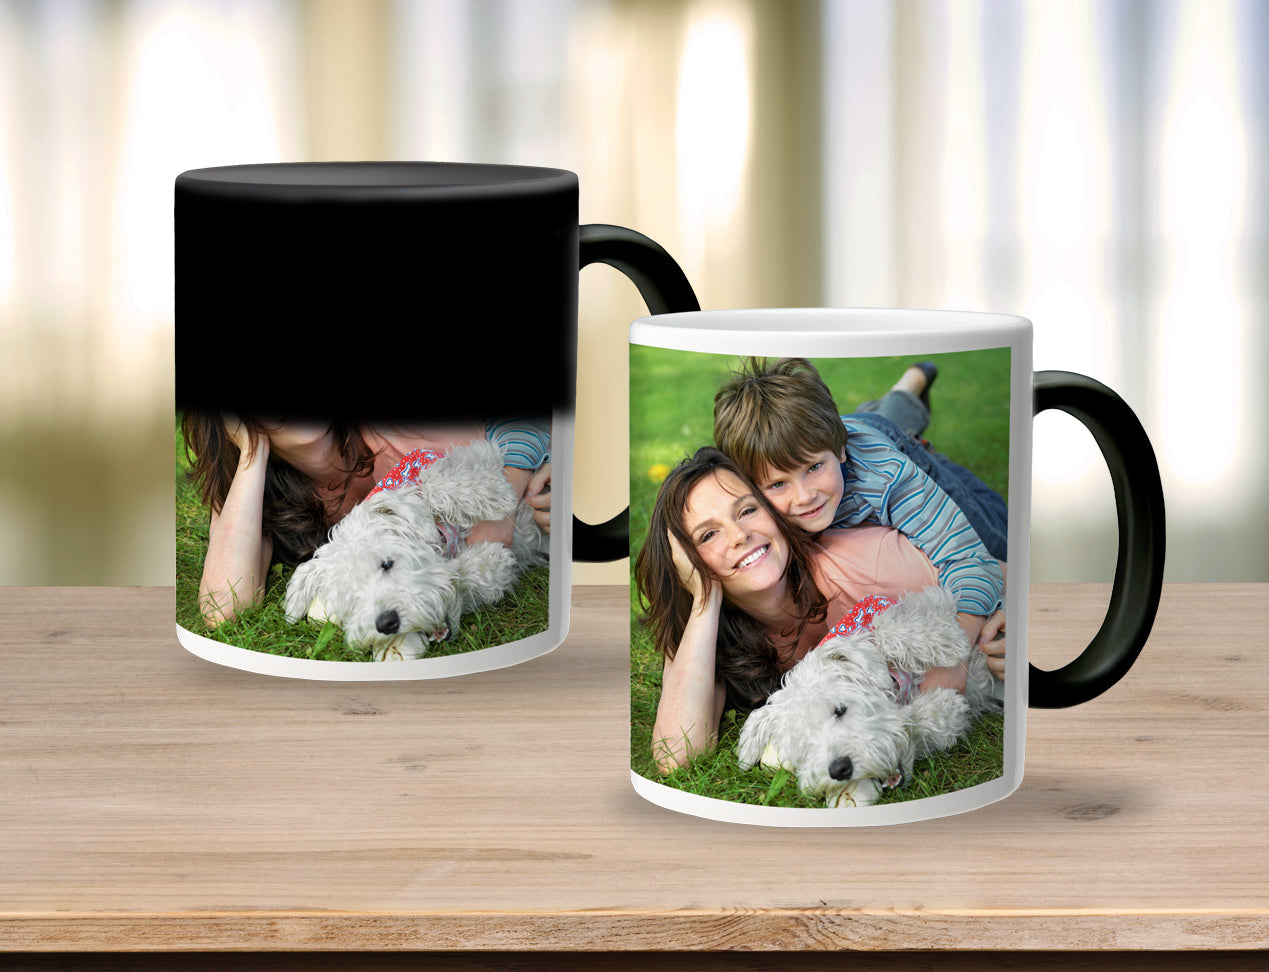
x: 375, y: 383
x: 830, y: 515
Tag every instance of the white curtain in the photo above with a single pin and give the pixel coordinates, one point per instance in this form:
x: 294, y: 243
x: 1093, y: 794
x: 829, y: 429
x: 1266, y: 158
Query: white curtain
x: 1101, y: 168
x: 654, y: 105
x: 101, y: 105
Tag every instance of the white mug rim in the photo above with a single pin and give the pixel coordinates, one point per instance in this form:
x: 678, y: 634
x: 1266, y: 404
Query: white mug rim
x: 828, y: 331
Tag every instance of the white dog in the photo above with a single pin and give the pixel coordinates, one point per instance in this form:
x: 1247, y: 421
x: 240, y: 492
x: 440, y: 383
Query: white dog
x: 848, y: 719
x: 396, y: 574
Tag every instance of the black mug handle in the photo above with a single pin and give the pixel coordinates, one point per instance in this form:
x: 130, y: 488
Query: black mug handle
x: 664, y: 288
x: 1134, y: 598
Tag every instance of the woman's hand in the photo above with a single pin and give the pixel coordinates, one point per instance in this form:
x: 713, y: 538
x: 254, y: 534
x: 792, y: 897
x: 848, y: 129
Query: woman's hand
x: 247, y: 444
x: 538, y: 496
x: 692, y: 699
x: 691, y: 578
x: 991, y: 642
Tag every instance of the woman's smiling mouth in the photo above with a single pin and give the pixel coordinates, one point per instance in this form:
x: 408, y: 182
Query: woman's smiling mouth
x: 752, y: 557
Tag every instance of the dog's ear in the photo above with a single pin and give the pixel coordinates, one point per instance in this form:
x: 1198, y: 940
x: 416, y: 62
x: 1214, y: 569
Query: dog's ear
x: 399, y: 513
x: 383, y: 503
x: 842, y: 648
x: 856, y: 657
x: 755, y: 735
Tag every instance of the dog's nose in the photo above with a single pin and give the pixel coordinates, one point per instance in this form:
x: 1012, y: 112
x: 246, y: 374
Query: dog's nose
x: 388, y: 622
x: 841, y: 768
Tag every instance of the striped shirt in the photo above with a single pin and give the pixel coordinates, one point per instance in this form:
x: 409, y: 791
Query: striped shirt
x: 525, y: 442
x: 885, y: 486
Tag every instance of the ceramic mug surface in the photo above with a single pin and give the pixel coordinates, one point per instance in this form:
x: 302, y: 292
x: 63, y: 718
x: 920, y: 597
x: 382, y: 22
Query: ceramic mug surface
x: 830, y: 518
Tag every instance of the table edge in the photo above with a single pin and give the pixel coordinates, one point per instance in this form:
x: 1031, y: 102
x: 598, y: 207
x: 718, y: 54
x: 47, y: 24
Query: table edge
x: 1163, y: 929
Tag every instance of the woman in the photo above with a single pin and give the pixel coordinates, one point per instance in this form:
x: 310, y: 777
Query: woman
x: 276, y: 487
x: 736, y: 599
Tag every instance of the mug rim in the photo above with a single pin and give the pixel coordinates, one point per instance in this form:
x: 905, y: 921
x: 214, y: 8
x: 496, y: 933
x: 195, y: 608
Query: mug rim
x: 368, y: 180
x: 829, y: 331
x: 911, y: 811
x: 828, y: 320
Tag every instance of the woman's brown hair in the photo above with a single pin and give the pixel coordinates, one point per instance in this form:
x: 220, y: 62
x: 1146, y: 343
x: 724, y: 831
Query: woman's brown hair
x: 296, y: 513
x: 747, y: 662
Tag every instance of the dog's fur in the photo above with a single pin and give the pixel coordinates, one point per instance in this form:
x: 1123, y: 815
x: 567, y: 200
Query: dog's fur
x: 384, y: 575
x: 836, y: 721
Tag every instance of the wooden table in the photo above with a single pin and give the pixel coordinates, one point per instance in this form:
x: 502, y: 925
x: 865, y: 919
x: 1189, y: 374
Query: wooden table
x: 151, y: 801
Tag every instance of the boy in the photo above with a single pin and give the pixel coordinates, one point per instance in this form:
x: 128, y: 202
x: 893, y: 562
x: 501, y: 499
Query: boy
x: 821, y: 469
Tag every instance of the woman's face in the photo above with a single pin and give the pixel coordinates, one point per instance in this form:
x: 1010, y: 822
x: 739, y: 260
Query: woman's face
x: 737, y: 539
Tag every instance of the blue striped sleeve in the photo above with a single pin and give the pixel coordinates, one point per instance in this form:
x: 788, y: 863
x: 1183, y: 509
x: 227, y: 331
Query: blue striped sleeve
x: 525, y: 442
x: 884, y: 486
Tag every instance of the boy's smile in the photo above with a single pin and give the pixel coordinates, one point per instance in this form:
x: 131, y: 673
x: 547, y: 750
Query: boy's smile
x: 807, y: 496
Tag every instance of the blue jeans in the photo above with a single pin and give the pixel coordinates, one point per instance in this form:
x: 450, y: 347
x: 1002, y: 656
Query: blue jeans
x: 901, y: 417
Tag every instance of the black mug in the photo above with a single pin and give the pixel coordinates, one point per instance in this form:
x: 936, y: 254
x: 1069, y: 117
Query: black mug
x: 382, y: 358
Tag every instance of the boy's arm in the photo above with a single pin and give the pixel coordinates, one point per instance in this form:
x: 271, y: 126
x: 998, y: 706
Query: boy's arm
x: 891, y: 489
x: 525, y: 442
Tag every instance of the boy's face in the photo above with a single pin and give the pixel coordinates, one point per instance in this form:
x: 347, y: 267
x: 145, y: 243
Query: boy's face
x: 807, y: 496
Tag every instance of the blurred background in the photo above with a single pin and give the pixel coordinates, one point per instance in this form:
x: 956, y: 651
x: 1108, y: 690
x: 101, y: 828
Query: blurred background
x: 1099, y: 167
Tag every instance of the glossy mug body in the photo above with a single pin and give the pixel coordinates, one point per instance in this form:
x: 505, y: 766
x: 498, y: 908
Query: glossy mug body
x: 375, y: 384
x: 930, y: 496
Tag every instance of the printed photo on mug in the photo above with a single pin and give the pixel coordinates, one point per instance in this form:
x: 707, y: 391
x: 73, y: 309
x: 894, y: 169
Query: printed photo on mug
x: 342, y: 541
x: 838, y: 528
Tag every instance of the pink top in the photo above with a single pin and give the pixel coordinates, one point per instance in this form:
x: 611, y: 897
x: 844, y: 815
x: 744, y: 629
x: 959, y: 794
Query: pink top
x: 407, y: 470
x: 860, y: 617
x: 391, y: 445
x: 851, y: 563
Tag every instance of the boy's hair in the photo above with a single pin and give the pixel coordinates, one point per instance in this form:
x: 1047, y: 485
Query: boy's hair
x: 775, y: 416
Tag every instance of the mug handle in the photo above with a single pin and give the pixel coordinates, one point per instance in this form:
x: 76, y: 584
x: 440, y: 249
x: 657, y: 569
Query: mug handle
x: 1134, y: 598
x: 665, y: 289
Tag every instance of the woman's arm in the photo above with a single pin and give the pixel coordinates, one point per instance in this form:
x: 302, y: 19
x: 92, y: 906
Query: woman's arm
x: 971, y: 624
x: 502, y: 531
x: 238, y: 553
x: 986, y: 635
x: 525, y: 444
x: 692, y: 700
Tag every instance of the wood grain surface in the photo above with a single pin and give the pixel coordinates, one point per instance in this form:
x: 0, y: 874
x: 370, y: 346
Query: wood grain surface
x: 151, y: 801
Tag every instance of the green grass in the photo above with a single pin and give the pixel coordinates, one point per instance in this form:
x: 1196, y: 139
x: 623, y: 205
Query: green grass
x: 263, y: 627
x: 671, y: 402
x: 977, y: 759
